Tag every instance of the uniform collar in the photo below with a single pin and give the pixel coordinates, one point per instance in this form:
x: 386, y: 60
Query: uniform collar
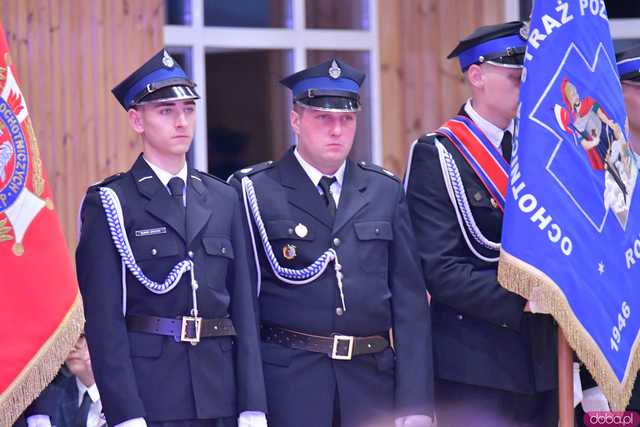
x: 165, y: 176
x: 493, y: 132
x: 314, y: 174
x: 94, y: 395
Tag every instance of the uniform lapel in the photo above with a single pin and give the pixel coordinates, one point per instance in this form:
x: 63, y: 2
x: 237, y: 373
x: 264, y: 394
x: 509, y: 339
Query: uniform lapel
x: 352, y: 195
x: 301, y: 191
x: 160, y: 203
x: 197, y: 211
x: 69, y: 404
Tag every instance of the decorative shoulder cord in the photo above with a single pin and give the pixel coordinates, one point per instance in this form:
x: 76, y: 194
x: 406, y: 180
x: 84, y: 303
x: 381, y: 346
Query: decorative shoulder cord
x: 287, y: 275
x: 115, y: 220
x: 457, y: 194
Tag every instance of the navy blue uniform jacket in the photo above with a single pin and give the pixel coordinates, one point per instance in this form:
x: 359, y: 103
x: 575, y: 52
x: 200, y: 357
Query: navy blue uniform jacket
x: 481, y: 336
x: 153, y: 376
x: 383, y: 288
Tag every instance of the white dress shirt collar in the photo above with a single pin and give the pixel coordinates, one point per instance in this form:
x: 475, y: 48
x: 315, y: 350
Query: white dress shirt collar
x: 94, y: 395
x: 165, y: 176
x: 493, y: 132
x: 314, y: 174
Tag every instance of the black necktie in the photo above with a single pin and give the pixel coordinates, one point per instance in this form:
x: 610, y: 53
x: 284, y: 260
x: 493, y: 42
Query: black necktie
x: 176, y: 186
x: 83, y: 411
x: 325, y: 184
x: 505, y: 144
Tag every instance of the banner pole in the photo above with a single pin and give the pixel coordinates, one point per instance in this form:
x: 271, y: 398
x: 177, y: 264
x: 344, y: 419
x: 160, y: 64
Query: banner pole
x: 565, y: 381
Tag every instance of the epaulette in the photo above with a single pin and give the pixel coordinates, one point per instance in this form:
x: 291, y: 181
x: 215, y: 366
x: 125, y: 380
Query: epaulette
x: 252, y: 170
x: 428, y: 138
x: 375, y: 168
x: 207, y: 174
x: 107, y: 181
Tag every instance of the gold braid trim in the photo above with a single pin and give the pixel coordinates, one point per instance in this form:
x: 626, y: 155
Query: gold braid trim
x: 520, y: 277
x: 43, y: 367
x: 5, y: 230
x: 38, y: 179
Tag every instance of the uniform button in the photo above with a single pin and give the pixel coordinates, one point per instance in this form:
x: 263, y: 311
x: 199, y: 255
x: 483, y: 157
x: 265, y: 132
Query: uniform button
x: 190, y: 253
x: 339, y: 311
x: 336, y: 241
x: 504, y: 325
x: 223, y: 250
x: 459, y: 316
x: 377, y: 231
x: 154, y: 251
x: 290, y: 231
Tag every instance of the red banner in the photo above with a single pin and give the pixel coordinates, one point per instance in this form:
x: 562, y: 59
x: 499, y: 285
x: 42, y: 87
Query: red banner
x: 40, y: 307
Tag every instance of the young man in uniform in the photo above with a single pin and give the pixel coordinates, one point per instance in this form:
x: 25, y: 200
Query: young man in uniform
x: 344, y: 315
x: 494, y: 361
x: 162, y: 268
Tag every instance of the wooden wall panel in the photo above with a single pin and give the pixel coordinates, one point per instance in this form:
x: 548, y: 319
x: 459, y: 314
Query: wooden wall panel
x: 68, y: 55
x: 420, y: 87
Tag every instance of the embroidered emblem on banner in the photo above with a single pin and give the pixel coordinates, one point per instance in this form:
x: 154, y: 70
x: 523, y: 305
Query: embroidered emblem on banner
x: 483, y: 157
x: 21, y: 178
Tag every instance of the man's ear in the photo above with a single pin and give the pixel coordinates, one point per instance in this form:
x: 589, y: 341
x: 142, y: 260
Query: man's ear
x: 294, y: 119
x: 135, y: 120
x: 475, y: 76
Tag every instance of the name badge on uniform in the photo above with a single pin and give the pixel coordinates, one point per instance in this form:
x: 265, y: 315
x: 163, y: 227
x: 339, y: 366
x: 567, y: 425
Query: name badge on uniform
x: 151, y: 231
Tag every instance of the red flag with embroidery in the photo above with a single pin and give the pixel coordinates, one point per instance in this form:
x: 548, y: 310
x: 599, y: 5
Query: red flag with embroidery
x: 40, y: 306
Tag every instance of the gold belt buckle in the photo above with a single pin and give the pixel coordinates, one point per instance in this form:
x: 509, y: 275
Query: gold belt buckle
x: 184, y: 333
x: 336, y: 341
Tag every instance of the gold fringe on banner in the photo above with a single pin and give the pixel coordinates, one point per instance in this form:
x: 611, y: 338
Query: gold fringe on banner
x: 43, y: 367
x: 521, y: 278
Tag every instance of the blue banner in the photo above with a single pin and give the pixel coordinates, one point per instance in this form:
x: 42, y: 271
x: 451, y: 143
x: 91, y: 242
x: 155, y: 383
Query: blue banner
x: 571, y: 233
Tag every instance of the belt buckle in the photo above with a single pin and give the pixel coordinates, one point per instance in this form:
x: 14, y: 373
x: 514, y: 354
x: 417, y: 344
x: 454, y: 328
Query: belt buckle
x: 184, y: 330
x: 336, y: 341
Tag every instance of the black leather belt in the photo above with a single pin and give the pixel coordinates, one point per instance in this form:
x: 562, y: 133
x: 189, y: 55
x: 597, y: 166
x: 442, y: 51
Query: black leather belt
x: 181, y: 328
x: 339, y: 347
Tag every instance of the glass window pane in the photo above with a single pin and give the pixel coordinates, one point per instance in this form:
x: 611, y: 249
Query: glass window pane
x: 177, y: 12
x: 337, y: 14
x: 623, y: 9
x: 361, y: 60
x: 247, y: 13
x: 247, y: 108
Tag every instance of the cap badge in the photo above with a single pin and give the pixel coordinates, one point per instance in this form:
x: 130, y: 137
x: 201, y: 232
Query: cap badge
x: 301, y: 231
x: 289, y: 251
x: 334, y: 70
x: 524, y: 31
x: 167, y: 60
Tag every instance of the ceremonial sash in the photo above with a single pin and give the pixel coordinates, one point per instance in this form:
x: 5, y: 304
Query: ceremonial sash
x: 483, y: 157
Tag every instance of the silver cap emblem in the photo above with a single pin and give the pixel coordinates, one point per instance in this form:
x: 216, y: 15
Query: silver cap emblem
x: 334, y: 70
x: 524, y: 31
x: 167, y: 60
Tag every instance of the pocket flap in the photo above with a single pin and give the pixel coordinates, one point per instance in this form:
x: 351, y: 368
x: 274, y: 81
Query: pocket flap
x: 218, y: 246
x: 288, y: 229
x: 150, y: 247
x: 479, y: 198
x: 373, y: 230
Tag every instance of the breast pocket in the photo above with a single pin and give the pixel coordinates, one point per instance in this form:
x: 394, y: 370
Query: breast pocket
x: 373, y: 238
x: 486, y: 212
x: 154, y: 247
x: 219, y: 253
x: 291, y: 242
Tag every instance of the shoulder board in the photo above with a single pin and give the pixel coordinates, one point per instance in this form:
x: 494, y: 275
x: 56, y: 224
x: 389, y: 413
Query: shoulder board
x: 252, y: 170
x: 379, y: 169
x: 428, y: 138
x: 208, y: 175
x: 107, y: 181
